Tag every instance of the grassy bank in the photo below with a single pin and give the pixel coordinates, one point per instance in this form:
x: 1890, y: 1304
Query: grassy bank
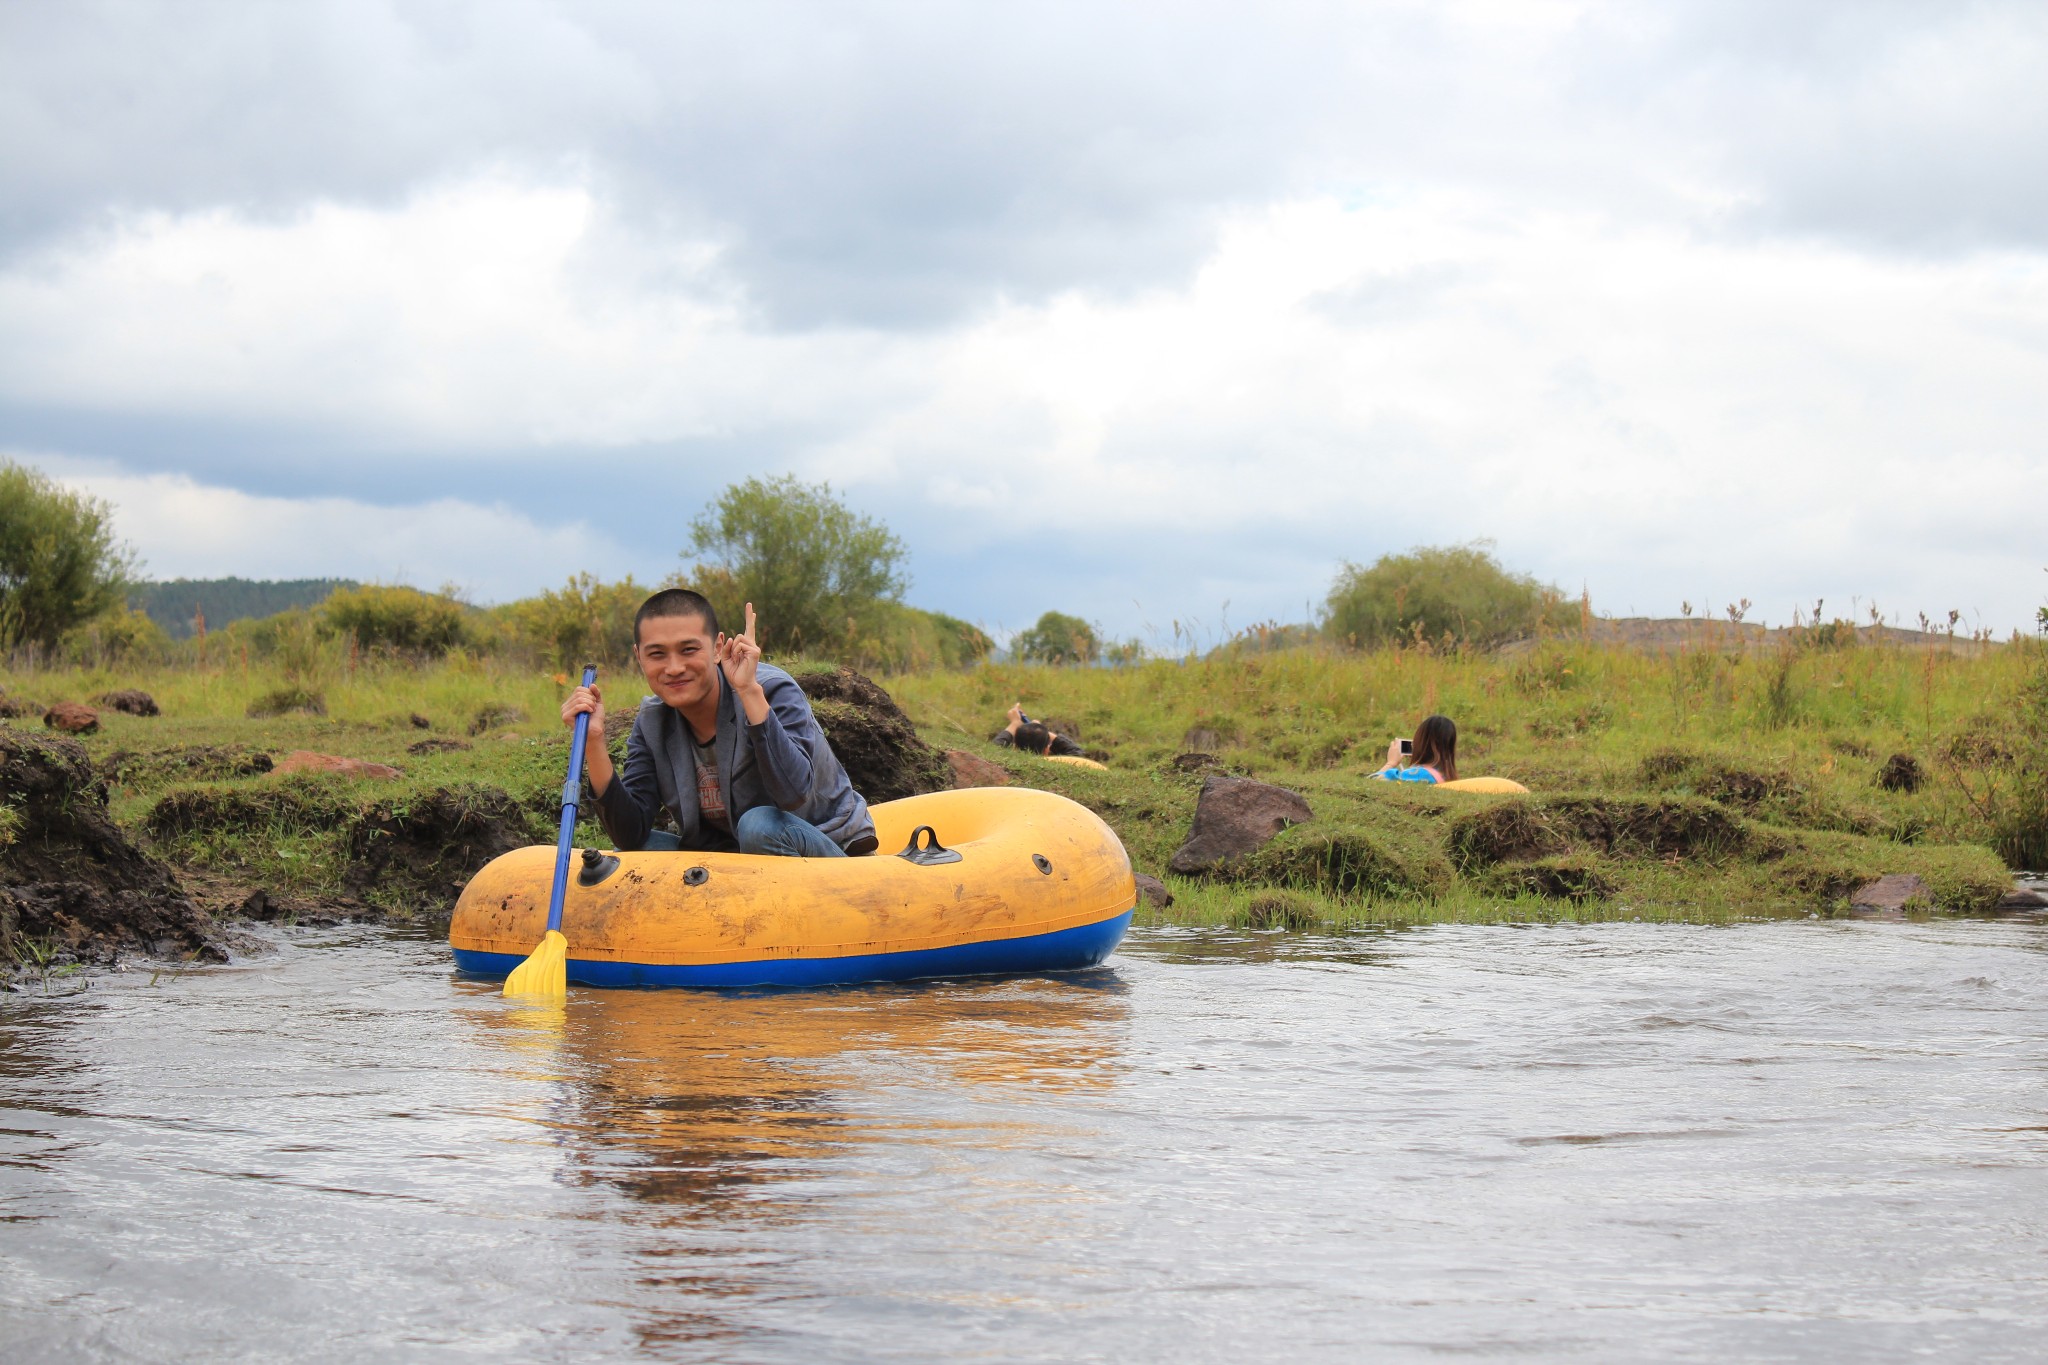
x: 1700, y: 786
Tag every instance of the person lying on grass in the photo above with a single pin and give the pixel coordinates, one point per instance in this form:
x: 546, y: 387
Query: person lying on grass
x: 1434, y: 757
x: 1034, y: 738
x: 733, y: 752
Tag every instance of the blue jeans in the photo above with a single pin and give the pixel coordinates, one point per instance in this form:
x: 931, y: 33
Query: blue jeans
x: 765, y: 831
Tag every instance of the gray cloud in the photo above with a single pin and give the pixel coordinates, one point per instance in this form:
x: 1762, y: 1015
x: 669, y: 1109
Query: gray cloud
x: 902, y: 164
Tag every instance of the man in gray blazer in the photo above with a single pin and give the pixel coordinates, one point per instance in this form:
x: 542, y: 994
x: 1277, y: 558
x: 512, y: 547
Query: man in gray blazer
x: 733, y: 751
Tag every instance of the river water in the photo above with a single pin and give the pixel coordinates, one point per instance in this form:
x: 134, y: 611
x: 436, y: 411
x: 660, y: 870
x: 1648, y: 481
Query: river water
x: 1785, y: 1141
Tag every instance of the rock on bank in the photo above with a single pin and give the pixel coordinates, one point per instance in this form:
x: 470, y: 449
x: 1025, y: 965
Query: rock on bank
x: 71, y: 885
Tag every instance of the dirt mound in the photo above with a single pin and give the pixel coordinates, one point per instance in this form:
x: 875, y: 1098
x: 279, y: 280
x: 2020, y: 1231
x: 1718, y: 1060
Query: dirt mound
x: 334, y: 765
x: 419, y: 854
x: 1661, y: 765
x: 294, y: 807
x: 1349, y: 862
x: 187, y: 763
x: 288, y: 701
x: 1566, y: 879
x: 874, y: 741
x: 1741, y: 788
x: 14, y: 708
x: 1534, y: 829
x: 129, y: 701
x: 495, y: 716
x: 1901, y: 773
x: 1280, y: 910
x: 436, y: 746
x: 69, y: 879
x: 1980, y: 742
x: 409, y: 854
x: 1745, y: 790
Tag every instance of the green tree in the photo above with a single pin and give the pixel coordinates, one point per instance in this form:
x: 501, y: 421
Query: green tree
x: 1456, y: 592
x: 818, y: 573
x: 1058, y: 639
x: 60, y: 565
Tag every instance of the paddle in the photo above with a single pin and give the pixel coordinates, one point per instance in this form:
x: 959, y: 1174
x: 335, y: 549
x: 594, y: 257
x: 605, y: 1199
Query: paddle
x: 545, y: 974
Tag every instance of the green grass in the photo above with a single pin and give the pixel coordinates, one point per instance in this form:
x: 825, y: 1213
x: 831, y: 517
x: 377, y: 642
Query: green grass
x: 1787, y: 747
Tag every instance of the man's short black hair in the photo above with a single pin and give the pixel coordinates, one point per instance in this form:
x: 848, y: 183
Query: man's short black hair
x: 677, y: 602
x: 1033, y: 738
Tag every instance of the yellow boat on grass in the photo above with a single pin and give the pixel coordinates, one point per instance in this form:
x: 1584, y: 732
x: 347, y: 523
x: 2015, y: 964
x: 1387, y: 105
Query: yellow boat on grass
x: 1499, y: 786
x: 988, y: 880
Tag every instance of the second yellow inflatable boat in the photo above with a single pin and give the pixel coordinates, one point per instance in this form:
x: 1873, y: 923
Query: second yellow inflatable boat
x: 987, y: 880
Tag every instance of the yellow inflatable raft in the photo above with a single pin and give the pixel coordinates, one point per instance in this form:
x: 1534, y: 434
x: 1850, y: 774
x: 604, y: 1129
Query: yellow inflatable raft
x: 988, y: 880
x: 1498, y: 785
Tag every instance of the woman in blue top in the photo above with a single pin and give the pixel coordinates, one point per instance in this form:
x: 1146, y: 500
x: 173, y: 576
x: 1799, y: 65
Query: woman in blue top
x: 1435, y: 758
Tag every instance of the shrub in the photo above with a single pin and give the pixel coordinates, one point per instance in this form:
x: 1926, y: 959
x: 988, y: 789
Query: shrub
x: 402, y: 619
x: 118, y: 637
x: 60, y: 565
x: 1456, y: 593
x: 584, y: 620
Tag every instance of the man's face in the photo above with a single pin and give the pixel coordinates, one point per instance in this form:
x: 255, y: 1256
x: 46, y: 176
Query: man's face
x: 679, y: 659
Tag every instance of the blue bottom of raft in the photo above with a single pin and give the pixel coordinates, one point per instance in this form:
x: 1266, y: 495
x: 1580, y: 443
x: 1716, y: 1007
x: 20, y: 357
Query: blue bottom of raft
x: 1067, y: 950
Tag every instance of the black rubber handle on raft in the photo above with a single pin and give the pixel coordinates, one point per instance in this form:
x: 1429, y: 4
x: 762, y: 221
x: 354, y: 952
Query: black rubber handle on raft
x: 933, y: 852
x: 596, y: 867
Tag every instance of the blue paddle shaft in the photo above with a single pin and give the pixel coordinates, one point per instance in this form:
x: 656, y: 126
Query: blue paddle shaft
x: 572, y: 793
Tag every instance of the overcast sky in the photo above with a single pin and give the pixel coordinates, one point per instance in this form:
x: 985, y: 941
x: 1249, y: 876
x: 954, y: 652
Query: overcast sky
x: 1151, y: 313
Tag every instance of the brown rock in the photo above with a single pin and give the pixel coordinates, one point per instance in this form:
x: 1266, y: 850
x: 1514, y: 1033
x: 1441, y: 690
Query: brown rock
x: 1195, y: 763
x: 73, y: 718
x: 14, y: 708
x: 1892, y: 895
x: 971, y: 770
x: 1153, y: 891
x: 128, y: 701
x: 2020, y: 901
x: 419, y: 722
x: 306, y: 761
x: 1234, y: 816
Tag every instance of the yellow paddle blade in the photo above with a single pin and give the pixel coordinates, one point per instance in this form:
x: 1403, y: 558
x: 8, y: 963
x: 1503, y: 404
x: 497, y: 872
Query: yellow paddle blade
x: 545, y: 974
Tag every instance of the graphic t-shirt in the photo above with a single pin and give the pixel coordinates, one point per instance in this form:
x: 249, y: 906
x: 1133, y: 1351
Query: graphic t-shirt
x: 710, y: 796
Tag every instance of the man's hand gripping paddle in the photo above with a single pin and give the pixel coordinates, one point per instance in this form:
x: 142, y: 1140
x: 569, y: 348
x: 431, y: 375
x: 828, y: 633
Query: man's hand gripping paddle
x: 545, y: 974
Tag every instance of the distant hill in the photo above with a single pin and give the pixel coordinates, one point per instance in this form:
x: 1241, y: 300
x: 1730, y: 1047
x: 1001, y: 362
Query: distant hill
x: 175, y: 604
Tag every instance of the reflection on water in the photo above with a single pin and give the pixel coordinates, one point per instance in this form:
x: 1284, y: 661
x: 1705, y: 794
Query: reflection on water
x: 720, y: 1114
x: 1608, y: 1142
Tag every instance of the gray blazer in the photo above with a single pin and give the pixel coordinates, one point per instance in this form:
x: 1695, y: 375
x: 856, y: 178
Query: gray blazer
x: 783, y: 762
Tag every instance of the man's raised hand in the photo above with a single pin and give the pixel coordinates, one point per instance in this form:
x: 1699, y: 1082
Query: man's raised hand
x: 739, y: 655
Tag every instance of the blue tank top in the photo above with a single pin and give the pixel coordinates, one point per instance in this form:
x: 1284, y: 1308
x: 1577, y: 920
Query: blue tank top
x: 1406, y: 774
